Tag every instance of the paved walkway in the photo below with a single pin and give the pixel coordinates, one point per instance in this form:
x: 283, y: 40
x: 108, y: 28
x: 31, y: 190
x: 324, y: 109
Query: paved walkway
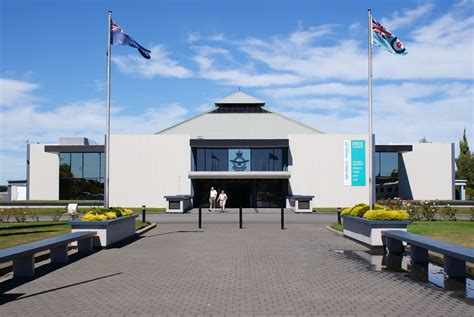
x: 177, y: 269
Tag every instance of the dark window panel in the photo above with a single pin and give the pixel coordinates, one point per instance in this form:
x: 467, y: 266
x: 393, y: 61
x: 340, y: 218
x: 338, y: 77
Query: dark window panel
x: 76, y: 165
x: 91, y: 166
x: 216, y: 160
x: 65, y: 165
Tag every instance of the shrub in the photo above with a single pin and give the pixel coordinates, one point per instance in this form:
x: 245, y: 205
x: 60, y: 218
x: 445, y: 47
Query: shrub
x: 379, y: 212
x: 447, y: 213
x: 33, y: 215
x: 386, y: 214
x: 19, y: 214
x: 58, y: 213
x: 427, y: 210
x: 348, y: 211
x: 101, y: 214
x: 359, y: 210
x: 5, y: 214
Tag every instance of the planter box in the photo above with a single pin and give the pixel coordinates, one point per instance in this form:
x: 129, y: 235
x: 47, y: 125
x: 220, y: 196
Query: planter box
x: 369, y: 231
x: 300, y: 203
x: 108, y: 231
x: 179, y: 203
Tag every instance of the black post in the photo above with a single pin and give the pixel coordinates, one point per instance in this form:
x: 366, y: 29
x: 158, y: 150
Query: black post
x: 143, y: 213
x: 200, y: 217
x: 282, y: 219
x: 240, y: 217
x: 339, y: 215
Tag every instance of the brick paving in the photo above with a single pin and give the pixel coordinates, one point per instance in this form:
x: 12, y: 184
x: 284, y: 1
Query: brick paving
x: 177, y: 269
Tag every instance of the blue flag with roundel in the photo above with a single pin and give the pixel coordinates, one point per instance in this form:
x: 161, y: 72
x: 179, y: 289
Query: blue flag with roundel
x: 386, y: 40
x: 119, y: 37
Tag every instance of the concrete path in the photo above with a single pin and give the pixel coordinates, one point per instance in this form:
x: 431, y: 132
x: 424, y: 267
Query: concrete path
x: 177, y: 269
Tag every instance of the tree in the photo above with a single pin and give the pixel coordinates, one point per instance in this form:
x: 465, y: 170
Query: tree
x: 465, y: 165
x: 424, y: 140
x: 463, y: 145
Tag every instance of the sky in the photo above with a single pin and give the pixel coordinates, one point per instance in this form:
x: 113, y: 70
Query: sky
x: 305, y: 59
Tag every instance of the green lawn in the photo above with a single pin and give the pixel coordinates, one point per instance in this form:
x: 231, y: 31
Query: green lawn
x: 337, y: 226
x: 19, y: 233
x: 139, y: 224
x: 54, y: 210
x: 148, y: 210
x: 326, y: 209
x: 459, y: 232
x: 15, y: 233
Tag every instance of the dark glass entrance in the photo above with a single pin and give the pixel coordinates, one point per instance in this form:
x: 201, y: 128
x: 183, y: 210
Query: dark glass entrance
x: 245, y: 193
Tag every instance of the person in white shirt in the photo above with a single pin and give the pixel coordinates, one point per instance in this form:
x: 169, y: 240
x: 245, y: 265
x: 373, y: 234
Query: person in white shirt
x: 222, y: 200
x: 212, y: 199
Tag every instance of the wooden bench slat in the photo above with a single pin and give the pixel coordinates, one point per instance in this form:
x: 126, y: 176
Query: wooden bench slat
x: 42, y: 245
x: 449, y: 249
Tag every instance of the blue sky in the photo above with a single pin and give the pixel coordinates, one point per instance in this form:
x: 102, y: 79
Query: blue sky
x: 306, y: 59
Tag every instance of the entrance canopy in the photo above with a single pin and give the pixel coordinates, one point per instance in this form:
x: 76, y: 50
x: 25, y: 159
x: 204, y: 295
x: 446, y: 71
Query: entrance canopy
x: 239, y: 175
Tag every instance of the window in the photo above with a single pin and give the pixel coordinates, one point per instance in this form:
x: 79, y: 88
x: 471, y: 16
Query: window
x: 81, y: 176
x: 386, y: 171
x: 231, y: 159
x: 210, y: 159
x: 91, y: 167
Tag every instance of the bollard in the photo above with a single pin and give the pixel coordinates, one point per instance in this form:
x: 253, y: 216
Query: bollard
x: 200, y: 217
x: 282, y: 219
x: 240, y: 217
x: 339, y: 215
x: 143, y: 213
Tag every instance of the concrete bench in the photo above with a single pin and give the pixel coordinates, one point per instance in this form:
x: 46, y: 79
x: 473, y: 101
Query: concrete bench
x: 455, y: 256
x: 23, y: 256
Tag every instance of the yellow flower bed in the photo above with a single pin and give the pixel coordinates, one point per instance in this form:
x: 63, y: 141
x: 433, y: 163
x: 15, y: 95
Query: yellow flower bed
x: 101, y: 214
x: 378, y: 213
x: 386, y: 214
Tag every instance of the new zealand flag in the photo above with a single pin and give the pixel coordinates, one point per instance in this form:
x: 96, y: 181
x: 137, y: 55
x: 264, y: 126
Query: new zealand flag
x: 119, y: 37
x: 384, y: 39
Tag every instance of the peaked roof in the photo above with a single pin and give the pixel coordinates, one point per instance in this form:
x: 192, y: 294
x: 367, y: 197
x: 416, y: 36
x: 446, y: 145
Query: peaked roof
x: 239, y: 98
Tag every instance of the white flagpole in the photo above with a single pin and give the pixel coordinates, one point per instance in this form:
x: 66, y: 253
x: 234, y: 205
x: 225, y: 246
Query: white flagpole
x: 371, y: 203
x: 107, y: 131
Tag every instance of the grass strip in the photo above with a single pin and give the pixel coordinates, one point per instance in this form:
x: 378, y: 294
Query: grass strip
x: 12, y: 234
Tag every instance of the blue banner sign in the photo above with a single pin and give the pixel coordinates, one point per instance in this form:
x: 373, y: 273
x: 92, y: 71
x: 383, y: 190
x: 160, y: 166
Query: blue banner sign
x: 354, y: 162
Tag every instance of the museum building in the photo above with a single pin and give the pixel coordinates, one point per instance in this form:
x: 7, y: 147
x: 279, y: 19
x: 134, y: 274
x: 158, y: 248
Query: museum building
x: 257, y: 156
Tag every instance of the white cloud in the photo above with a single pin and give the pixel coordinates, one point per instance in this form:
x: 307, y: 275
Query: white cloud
x: 402, y: 112
x: 244, y: 76
x: 85, y: 118
x: 12, y: 167
x: 13, y: 92
x: 193, y: 37
x: 159, y: 64
x: 317, y: 89
x: 439, y: 51
x: 406, y: 17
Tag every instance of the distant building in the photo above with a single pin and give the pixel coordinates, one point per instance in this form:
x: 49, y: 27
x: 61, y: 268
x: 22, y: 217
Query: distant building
x: 257, y: 156
x: 17, y: 190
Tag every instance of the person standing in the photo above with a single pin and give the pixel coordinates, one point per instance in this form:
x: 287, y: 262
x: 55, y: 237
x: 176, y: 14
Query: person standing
x: 222, y: 200
x: 212, y: 199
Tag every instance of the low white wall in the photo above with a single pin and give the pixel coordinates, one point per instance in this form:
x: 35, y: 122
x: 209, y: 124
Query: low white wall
x: 317, y: 168
x: 427, y: 172
x: 43, y: 173
x: 144, y: 168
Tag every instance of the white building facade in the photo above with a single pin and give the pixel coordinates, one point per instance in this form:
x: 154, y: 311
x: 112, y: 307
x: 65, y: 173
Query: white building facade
x: 257, y: 156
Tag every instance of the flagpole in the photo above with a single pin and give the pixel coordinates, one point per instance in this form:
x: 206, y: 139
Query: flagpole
x: 107, y: 131
x: 370, y: 109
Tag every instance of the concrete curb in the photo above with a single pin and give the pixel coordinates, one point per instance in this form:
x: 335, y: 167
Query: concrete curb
x: 336, y: 232
x: 147, y: 228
